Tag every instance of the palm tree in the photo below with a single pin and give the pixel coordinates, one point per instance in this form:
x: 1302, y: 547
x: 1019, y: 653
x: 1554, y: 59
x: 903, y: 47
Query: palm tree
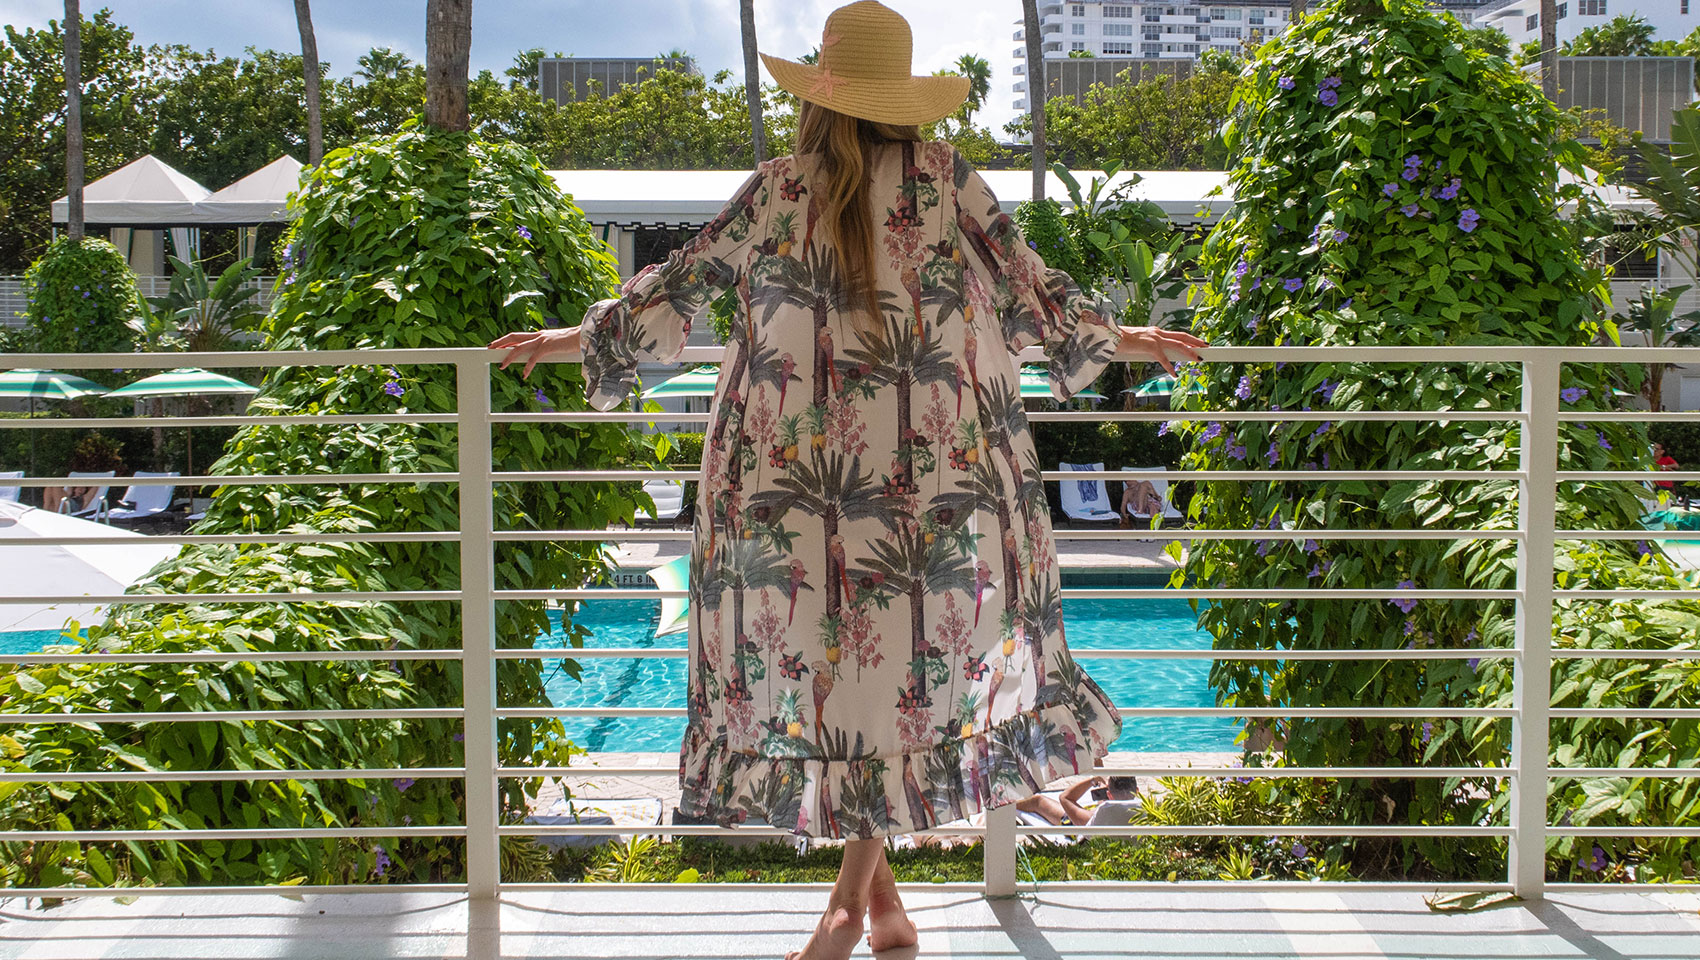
x: 382, y: 63
x: 1036, y: 91
x: 74, y: 119
x: 752, y: 78
x: 448, y: 56
x: 833, y: 488
x: 1549, y: 49
x: 905, y: 356
x: 917, y: 562
x: 310, y: 72
x: 979, y: 74
x: 747, y: 564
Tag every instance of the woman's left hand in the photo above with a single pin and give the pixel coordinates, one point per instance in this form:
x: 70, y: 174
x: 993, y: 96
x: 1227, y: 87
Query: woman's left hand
x: 534, y: 346
x: 1154, y: 344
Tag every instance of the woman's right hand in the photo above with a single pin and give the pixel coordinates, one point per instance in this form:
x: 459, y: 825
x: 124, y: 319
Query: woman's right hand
x: 1154, y: 344
x: 534, y: 346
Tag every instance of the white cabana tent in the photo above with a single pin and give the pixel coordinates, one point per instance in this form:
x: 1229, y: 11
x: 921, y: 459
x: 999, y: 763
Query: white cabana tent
x: 136, y: 201
x: 260, y: 197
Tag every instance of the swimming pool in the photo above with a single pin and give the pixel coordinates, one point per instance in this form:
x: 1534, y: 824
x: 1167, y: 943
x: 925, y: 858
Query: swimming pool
x: 633, y: 682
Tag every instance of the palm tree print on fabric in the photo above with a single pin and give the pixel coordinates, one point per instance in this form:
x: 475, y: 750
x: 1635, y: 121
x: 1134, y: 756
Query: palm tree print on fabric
x: 876, y: 640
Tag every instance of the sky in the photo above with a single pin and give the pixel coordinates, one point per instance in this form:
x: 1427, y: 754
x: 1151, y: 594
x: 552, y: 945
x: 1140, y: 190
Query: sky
x: 708, y: 29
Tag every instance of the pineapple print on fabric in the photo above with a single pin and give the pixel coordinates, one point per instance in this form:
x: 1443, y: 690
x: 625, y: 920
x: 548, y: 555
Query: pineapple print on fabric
x: 877, y: 643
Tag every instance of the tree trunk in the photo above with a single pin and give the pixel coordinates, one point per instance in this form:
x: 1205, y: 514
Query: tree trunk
x: 310, y: 73
x: 1297, y: 11
x: 1036, y: 91
x: 74, y: 118
x: 1549, y: 49
x: 448, y: 56
x: 752, y: 79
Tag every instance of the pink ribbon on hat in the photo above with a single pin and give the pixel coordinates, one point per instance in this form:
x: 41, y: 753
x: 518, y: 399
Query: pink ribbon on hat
x: 826, y: 82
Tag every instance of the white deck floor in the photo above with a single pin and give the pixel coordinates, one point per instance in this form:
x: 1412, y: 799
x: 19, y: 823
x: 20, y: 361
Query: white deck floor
x: 740, y: 922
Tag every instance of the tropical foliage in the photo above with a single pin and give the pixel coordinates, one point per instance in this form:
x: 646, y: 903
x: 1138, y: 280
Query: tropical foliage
x: 1165, y: 123
x: 422, y: 239
x: 81, y: 298
x: 1396, y: 185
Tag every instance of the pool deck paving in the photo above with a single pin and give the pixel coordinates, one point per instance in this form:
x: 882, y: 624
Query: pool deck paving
x: 1162, y: 922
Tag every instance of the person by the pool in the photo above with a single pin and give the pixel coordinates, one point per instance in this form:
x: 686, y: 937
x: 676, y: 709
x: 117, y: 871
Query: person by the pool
x: 876, y: 639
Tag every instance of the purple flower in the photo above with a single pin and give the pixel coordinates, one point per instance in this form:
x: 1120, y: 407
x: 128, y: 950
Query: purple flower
x: 1319, y: 431
x: 1411, y: 173
x: 1450, y: 191
x: 1251, y: 323
x: 1409, y: 209
x: 1325, y: 284
x: 380, y: 861
x: 1211, y: 432
x: 1286, y: 83
x: 1471, y: 636
x: 1272, y: 454
x: 1242, y: 268
x: 1327, y: 390
x: 1413, y: 162
x: 1243, y: 391
x: 1473, y: 662
x: 1256, y: 282
x: 1311, y: 546
x: 1468, y: 219
x: 1596, y: 862
x: 1262, y: 548
x: 1573, y: 394
x: 1300, y: 850
x: 543, y: 398
x: 522, y: 231
x: 1235, y: 450
x: 1328, y: 97
x: 1341, y: 236
x: 1643, y: 548
x: 1163, y: 431
x: 402, y: 783
x: 1293, y: 284
x: 1347, y: 304
x: 1330, y: 83
x: 1325, y: 464
x: 460, y: 738
x: 1389, y: 190
x: 1405, y: 606
x: 1033, y: 243
x: 394, y: 389
x: 1604, y: 443
x: 1410, y: 627
x: 1428, y: 732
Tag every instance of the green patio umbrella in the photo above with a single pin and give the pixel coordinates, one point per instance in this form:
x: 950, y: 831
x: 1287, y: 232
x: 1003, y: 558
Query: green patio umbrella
x: 1034, y: 384
x: 1160, y: 386
x: 45, y: 385
x: 186, y: 382
x: 697, y: 383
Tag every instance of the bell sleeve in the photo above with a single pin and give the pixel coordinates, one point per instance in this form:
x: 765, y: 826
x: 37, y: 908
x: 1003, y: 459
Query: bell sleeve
x: 1035, y: 304
x: 651, y: 318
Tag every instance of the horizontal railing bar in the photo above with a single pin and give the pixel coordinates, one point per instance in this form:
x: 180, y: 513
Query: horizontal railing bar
x: 596, y: 416
x: 1148, y: 886
x: 1627, y: 535
x: 252, y: 833
x: 1279, y: 416
x: 1626, y: 594
x: 234, y: 716
x: 1638, y: 476
x: 1685, y: 654
x: 1263, y: 830
x: 352, y: 596
x: 639, y: 534
x: 1319, y: 773
x: 209, y: 539
x: 426, y: 356
x: 1351, y: 713
x: 1624, y: 772
x: 1093, y: 593
x: 270, y: 890
x: 185, y: 776
x: 1624, y: 713
x: 1158, y: 653
x: 1623, y: 832
x: 251, y: 480
x: 1630, y: 416
x: 683, y: 830
x: 1258, y: 476
x: 224, y: 656
x: 282, y: 420
x: 1296, y: 536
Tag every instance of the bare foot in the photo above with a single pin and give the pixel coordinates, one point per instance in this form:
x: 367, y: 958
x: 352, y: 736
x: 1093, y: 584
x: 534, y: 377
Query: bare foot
x: 834, y: 939
x: 891, y: 926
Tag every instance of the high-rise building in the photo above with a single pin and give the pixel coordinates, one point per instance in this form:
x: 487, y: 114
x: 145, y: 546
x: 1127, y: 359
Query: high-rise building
x: 1521, y: 19
x: 1108, y: 29
x: 566, y: 79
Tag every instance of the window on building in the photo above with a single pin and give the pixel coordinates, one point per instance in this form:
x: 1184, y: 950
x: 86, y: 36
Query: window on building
x: 1125, y: 49
x: 1077, y: 10
x: 1118, y: 13
x: 1118, y: 29
x: 1079, y: 29
x: 1217, y: 31
x: 1684, y: 10
x: 1150, y: 49
x: 1629, y: 260
x: 1532, y: 21
x: 1564, y: 10
x: 1591, y: 8
x: 1077, y: 46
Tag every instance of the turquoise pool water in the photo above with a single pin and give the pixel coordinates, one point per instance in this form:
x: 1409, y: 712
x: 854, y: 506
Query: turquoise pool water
x: 1092, y: 624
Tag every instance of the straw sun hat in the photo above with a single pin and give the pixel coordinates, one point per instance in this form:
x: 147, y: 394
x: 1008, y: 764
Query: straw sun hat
x: 865, y: 70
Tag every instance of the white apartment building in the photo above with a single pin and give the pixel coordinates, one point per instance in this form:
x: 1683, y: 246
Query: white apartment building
x: 1162, y: 31
x: 1521, y: 19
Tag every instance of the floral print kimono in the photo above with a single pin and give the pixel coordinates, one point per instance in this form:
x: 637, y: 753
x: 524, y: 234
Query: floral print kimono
x: 876, y: 632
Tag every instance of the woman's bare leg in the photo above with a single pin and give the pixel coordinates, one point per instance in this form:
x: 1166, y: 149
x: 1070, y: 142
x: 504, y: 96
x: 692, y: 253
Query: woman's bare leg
x: 889, y: 925
x: 841, y: 926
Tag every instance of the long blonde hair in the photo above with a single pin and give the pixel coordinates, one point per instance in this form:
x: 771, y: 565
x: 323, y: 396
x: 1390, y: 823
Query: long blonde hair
x: 846, y: 145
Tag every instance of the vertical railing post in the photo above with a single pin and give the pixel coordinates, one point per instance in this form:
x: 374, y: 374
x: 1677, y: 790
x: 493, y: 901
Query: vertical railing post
x: 1532, y: 686
x: 478, y: 645
x: 999, y: 851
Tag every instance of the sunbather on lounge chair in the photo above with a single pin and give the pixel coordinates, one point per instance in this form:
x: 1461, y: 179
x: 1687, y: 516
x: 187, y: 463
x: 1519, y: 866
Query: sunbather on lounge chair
x: 1065, y: 809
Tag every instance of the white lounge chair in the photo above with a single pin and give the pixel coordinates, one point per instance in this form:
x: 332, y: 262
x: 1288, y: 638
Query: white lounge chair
x: 11, y: 493
x: 1161, y: 486
x: 669, y: 497
x: 1086, y: 500
x: 141, y: 503
x: 96, y: 506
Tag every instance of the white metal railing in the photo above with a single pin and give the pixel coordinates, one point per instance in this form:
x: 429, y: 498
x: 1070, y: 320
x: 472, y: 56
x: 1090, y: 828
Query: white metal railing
x: 1526, y: 829
x: 13, y: 303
